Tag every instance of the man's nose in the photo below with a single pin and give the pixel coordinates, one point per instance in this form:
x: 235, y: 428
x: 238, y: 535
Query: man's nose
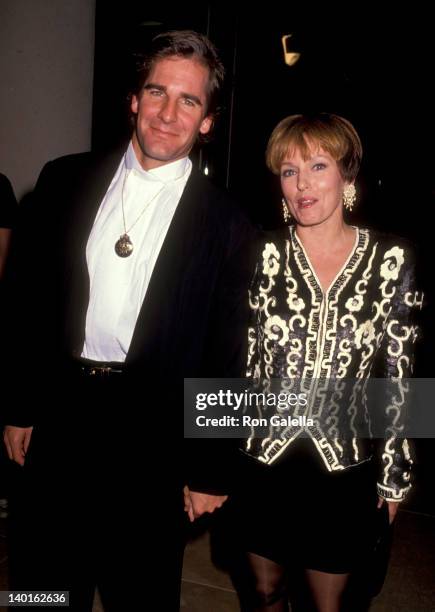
x: 168, y: 111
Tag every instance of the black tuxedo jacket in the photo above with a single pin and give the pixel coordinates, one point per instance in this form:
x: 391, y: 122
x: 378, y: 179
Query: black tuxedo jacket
x: 193, y: 319
x: 8, y: 203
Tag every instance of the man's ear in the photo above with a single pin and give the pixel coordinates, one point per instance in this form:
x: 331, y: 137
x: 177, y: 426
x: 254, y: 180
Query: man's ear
x: 206, y: 125
x: 134, y: 105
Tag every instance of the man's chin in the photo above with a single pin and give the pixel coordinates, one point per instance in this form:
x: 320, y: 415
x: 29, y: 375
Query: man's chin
x: 165, y: 156
x: 157, y: 153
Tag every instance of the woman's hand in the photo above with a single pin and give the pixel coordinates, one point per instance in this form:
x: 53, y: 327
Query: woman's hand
x: 392, y: 508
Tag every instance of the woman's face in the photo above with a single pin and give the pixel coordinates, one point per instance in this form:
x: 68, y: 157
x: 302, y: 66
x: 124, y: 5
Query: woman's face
x: 313, y: 188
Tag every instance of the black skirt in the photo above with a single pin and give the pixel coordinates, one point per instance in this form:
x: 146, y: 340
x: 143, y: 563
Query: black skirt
x: 297, y: 512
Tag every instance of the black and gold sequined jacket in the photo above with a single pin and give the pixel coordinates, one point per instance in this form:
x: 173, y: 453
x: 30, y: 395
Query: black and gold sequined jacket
x: 363, y: 326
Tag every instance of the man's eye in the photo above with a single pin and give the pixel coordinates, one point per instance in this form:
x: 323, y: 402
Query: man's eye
x: 188, y: 102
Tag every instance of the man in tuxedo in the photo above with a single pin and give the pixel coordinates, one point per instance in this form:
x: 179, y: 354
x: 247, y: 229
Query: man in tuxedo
x: 129, y: 273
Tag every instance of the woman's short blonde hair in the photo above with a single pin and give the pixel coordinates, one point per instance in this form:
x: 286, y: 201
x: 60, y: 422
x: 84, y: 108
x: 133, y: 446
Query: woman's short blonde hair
x: 332, y: 133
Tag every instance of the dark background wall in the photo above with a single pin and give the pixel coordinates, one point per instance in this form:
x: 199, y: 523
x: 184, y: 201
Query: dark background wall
x: 376, y: 72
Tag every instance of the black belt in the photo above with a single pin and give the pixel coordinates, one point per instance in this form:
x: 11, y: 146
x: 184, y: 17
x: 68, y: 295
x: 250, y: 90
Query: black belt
x: 98, y: 369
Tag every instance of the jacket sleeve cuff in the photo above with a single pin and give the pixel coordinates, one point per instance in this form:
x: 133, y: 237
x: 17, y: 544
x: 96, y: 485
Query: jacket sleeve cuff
x: 390, y: 494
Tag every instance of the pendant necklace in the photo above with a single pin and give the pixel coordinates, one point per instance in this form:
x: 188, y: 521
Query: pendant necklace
x: 124, y: 246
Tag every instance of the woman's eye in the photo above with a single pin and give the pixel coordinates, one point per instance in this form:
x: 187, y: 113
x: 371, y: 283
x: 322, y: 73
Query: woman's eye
x: 319, y: 166
x: 288, y: 172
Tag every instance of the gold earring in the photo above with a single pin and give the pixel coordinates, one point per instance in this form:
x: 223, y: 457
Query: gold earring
x: 349, y: 196
x: 285, y: 213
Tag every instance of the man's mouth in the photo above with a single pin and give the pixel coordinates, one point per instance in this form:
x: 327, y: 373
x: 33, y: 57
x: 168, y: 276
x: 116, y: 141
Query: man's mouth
x: 163, y: 133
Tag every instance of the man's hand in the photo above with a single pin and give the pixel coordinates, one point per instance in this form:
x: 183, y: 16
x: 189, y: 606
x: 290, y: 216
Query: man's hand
x: 196, y: 504
x: 188, y: 504
x: 392, y: 508
x: 17, y: 440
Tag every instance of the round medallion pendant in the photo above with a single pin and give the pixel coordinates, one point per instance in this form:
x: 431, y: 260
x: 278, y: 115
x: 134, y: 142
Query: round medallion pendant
x: 124, y: 246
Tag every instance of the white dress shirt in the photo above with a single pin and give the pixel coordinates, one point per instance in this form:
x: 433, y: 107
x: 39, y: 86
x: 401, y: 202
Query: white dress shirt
x: 118, y: 285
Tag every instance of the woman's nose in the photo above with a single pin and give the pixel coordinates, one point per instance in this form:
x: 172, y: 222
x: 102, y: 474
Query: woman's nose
x: 302, y: 182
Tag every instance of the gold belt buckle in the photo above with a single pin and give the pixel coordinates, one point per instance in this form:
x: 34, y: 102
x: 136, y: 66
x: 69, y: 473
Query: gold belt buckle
x: 100, y: 371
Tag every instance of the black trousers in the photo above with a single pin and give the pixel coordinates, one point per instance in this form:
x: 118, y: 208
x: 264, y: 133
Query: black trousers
x: 94, y: 505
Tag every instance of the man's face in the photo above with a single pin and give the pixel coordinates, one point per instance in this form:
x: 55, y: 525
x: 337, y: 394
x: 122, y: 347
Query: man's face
x: 170, y: 111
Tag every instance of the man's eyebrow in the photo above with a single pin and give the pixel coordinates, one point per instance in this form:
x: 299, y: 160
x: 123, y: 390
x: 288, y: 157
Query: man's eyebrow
x: 185, y: 95
x: 154, y: 86
x: 192, y: 97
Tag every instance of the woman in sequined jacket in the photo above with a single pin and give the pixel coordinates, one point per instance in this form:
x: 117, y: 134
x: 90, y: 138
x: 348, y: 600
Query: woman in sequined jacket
x: 329, y: 302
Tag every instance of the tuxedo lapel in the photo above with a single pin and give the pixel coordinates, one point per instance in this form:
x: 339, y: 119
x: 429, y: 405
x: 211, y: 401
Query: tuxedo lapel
x: 171, y: 273
x: 94, y: 183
